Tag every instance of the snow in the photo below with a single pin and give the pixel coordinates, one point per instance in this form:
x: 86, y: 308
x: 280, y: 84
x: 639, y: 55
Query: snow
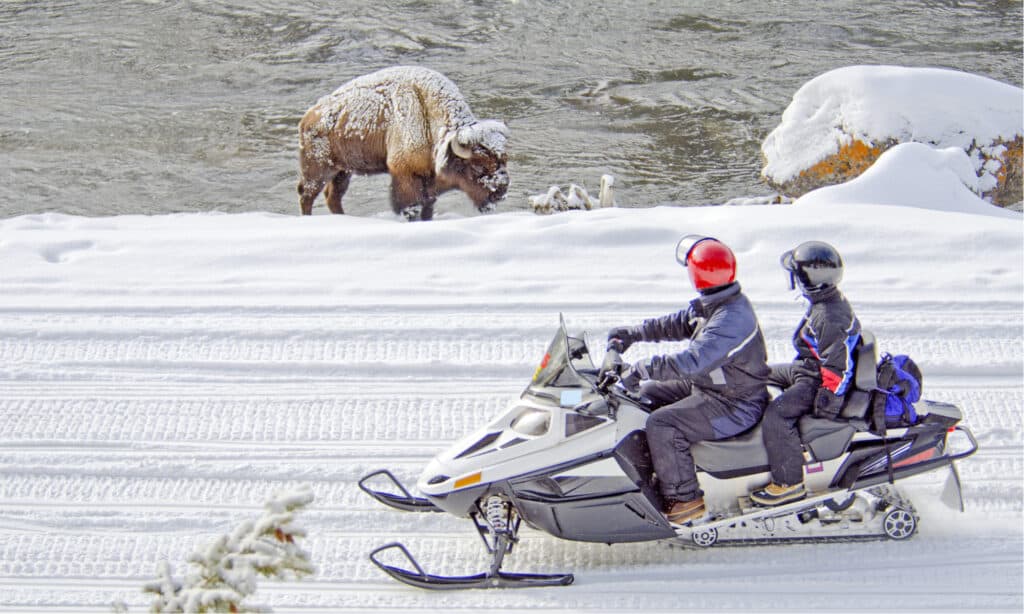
x: 916, y: 175
x: 943, y: 107
x: 162, y: 375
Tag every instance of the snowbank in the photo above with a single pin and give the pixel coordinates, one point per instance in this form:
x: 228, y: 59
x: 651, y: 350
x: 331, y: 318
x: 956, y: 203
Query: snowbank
x: 161, y: 374
x: 914, y: 175
x: 260, y: 259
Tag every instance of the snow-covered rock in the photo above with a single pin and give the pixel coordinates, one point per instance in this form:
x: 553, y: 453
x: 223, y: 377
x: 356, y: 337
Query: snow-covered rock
x: 575, y: 198
x: 839, y: 123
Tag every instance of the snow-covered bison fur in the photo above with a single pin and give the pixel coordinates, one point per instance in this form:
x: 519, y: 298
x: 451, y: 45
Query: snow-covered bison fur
x: 412, y: 123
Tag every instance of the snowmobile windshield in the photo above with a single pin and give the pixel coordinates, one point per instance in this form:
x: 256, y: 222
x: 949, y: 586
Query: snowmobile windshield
x: 560, y: 367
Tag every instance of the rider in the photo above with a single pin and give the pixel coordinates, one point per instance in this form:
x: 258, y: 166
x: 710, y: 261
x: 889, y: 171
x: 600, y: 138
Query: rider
x: 713, y: 389
x: 817, y: 380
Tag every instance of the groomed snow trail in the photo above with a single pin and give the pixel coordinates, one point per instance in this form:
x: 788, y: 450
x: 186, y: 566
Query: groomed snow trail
x: 162, y: 377
x: 135, y: 437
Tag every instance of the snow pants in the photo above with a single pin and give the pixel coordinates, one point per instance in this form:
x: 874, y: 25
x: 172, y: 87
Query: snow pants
x: 780, y: 431
x: 685, y: 417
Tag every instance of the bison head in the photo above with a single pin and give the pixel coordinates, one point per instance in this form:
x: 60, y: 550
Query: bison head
x: 473, y: 159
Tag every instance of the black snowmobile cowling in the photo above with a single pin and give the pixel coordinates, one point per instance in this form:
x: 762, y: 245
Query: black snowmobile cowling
x: 570, y: 458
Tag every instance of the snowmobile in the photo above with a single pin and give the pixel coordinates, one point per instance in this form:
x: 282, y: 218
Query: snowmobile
x: 570, y: 458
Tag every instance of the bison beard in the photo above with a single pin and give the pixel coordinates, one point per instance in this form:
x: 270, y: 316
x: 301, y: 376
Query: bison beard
x: 412, y: 123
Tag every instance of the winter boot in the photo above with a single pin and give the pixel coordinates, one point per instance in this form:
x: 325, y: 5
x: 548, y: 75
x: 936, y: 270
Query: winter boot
x: 681, y: 512
x: 777, y: 494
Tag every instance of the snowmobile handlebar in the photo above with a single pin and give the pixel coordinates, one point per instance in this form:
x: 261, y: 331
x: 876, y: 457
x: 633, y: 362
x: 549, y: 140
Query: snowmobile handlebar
x: 609, y: 375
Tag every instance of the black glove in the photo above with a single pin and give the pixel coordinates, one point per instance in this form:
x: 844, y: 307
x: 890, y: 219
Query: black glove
x: 632, y: 375
x: 619, y: 339
x: 607, y: 379
x: 827, y: 404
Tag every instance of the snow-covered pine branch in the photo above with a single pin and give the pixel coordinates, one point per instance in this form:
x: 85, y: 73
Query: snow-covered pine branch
x: 225, y: 572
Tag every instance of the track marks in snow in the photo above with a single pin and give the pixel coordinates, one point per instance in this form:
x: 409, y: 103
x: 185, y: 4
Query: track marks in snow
x: 320, y: 346
x: 130, y: 437
x: 638, y: 577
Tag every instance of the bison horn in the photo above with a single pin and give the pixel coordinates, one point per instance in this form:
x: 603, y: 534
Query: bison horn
x: 460, y: 149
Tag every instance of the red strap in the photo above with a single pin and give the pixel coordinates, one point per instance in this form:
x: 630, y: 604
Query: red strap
x: 830, y: 379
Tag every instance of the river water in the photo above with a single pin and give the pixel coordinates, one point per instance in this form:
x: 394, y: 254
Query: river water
x: 157, y: 107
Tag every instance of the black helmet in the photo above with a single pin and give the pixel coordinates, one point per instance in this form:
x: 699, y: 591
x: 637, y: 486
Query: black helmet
x: 814, y: 265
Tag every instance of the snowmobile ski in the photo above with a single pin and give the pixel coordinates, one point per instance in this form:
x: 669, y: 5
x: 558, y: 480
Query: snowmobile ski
x: 494, y: 579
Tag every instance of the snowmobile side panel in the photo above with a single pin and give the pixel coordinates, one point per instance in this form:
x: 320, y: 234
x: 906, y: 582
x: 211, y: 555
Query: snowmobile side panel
x: 606, y: 500
x: 634, y: 458
x: 628, y: 517
x: 870, y: 466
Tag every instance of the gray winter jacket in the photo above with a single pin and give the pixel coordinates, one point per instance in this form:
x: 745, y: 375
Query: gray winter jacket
x: 726, y: 358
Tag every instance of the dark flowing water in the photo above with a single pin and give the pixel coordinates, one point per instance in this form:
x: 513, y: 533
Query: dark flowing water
x: 156, y: 107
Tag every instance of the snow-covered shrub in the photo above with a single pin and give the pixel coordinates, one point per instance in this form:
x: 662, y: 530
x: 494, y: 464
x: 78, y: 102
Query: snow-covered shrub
x: 224, y: 573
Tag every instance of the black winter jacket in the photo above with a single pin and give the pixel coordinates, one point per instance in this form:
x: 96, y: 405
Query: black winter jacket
x: 825, y: 340
x: 726, y: 358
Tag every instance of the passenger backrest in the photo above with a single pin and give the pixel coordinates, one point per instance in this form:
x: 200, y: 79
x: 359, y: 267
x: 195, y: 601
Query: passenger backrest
x: 866, y: 370
x: 858, y: 400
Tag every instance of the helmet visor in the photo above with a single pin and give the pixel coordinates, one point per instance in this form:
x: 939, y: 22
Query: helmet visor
x: 788, y: 263
x: 686, y: 245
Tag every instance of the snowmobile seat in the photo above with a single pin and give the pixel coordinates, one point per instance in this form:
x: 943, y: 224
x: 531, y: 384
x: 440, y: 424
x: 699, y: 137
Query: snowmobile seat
x: 826, y: 439
x: 733, y: 456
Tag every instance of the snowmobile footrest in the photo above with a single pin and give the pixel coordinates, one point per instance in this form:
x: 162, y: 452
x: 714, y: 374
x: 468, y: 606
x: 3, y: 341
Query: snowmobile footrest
x: 500, y: 579
x: 404, y: 501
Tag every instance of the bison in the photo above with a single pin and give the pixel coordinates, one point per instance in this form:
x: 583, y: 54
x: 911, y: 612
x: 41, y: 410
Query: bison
x: 410, y: 122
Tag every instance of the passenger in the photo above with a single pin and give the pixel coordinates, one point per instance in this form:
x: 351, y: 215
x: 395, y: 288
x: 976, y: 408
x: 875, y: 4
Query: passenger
x: 713, y: 389
x: 820, y: 375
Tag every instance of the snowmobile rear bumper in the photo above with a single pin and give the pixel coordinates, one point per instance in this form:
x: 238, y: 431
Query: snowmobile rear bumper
x: 897, y: 472
x: 497, y: 579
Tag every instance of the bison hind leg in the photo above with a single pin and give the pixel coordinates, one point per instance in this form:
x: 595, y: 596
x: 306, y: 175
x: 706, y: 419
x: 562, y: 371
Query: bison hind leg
x: 335, y: 190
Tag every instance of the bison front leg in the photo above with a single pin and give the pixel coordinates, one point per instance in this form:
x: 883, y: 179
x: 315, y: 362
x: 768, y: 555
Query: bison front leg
x: 308, y: 191
x: 412, y: 198
x: 335, y: 190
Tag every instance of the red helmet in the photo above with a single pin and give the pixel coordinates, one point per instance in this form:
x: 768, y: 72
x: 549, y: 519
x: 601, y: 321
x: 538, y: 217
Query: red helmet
x: 709, y: 262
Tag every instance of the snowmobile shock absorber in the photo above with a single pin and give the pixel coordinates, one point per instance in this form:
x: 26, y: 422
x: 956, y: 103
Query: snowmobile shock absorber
x: 496, y: 513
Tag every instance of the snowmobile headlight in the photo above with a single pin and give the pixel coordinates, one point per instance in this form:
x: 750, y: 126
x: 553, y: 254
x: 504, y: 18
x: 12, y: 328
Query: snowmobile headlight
x: 532, y: 422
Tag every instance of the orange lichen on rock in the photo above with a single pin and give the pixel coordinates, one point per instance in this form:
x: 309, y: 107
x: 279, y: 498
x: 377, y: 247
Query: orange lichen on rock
x: 849, y: 162
x: 1009, y: 186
